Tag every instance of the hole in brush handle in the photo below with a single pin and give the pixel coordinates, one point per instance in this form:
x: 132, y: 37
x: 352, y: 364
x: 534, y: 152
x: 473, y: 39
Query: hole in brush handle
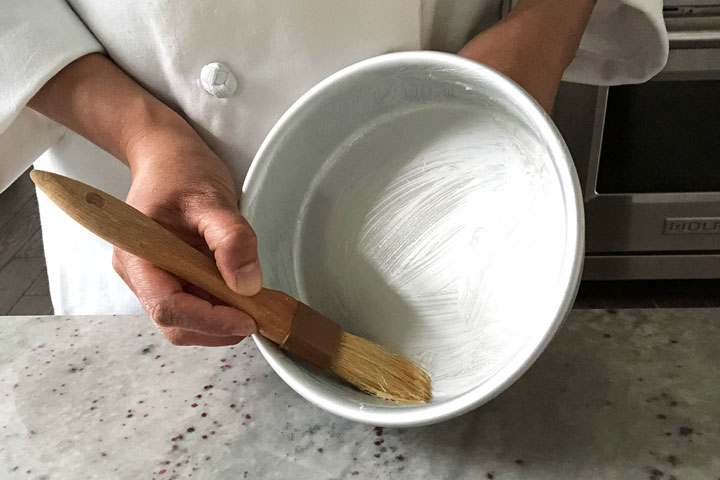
x: 95, y: 199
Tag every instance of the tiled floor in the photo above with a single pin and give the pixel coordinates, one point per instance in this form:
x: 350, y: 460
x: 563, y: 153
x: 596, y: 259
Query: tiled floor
x: 24, y: 285
x: 23, y: 277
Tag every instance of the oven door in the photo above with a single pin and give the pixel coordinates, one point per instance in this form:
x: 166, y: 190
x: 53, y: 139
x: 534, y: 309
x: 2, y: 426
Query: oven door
x: 648, y: 157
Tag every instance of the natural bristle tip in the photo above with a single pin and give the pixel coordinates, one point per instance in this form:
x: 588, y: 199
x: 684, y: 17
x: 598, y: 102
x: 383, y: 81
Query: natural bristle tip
x: 380, y: 372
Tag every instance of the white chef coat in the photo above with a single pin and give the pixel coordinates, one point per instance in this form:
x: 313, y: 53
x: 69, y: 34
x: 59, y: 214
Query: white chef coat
x: 274, y: 49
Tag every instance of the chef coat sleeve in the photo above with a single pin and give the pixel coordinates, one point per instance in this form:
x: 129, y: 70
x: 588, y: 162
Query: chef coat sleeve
x: 38, y: 38
x: 625, y: 42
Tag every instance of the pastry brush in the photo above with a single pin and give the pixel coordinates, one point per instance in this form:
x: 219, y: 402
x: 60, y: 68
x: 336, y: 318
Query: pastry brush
x: 294, y: 326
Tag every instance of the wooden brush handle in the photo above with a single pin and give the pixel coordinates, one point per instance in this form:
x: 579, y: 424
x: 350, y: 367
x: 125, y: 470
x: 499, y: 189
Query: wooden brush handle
x: 132, y: 231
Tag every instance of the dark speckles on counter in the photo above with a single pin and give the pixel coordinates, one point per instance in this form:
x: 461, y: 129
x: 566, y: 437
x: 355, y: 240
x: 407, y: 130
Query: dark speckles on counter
x: 606, y: 393
x: 685, y: 431
x: 655, y: 474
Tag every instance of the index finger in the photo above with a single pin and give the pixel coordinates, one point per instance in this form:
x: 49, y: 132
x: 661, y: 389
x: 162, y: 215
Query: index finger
x: 168, y: 305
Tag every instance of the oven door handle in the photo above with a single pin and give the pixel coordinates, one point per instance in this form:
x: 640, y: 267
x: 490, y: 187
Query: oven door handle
x: 694, y: 39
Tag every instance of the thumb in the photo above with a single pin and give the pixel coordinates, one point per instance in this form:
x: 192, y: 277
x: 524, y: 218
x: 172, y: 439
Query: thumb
x: 232, y: 239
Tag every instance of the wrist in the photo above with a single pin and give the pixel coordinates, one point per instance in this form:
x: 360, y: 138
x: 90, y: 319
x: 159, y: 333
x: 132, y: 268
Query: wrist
x: 554, y: 28
x: 153, y: 128
x: 534, y: 44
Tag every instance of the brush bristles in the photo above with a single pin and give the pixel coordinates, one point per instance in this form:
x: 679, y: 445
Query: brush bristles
x: 375, y: 370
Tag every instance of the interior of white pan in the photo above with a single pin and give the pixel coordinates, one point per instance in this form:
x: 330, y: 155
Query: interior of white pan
x: 422, y: 208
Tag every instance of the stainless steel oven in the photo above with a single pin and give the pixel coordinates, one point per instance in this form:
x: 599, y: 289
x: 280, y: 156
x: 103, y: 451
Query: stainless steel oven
x: 648, y: 157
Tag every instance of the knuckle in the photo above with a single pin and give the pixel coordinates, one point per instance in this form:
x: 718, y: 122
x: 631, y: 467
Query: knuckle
x: 200, y: 197
x: 177, y: 337
x: 240, y: 234
x: 162, y: 313
x: 117, y: 262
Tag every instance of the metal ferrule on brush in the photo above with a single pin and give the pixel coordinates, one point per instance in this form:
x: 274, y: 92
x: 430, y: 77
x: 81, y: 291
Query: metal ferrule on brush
x: 312, y: 337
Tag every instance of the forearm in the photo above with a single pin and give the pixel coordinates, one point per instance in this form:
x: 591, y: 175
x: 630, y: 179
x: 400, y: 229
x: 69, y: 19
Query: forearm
x: 96, y: 99
x: 534, y: 44
x: 178, y: 181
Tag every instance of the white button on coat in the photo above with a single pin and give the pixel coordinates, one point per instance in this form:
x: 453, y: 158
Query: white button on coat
x: 217, y: 79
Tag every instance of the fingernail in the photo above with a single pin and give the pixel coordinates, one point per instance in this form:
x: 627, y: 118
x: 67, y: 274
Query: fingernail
x: 244, y: 325
x: 249, y: 270
x: 247, y: 274
x: 245, y: 328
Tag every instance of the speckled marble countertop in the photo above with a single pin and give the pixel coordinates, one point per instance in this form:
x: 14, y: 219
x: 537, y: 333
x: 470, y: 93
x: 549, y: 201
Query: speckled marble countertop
x: 618, y: 395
